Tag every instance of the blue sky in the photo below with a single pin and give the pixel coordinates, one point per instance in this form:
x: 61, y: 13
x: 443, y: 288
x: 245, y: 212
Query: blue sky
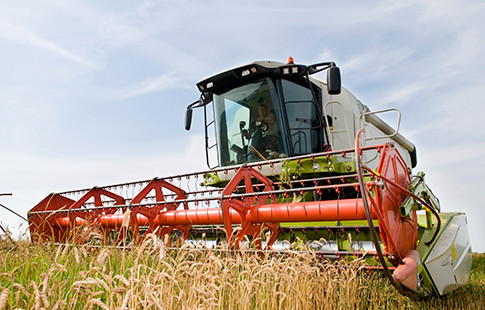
x: 94, y: 93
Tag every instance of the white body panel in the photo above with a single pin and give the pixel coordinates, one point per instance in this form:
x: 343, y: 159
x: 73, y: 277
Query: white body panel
x: 348, y: 116
x: 449, y: 262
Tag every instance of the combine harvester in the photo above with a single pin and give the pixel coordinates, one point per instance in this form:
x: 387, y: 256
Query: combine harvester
x: 296, y: 159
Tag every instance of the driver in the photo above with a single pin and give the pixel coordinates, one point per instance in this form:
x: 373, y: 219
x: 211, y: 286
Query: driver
x: 265, y: 134
x: 270, y: 136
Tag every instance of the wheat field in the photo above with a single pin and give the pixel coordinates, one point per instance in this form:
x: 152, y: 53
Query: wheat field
x: 150, y: 276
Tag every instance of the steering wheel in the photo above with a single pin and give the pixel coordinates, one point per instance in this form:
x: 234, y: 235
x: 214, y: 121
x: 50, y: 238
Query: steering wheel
x: 262, y: 127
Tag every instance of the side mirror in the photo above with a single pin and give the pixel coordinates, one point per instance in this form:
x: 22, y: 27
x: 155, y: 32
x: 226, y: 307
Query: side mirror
x: 188, y: 118
x: 333, y: 81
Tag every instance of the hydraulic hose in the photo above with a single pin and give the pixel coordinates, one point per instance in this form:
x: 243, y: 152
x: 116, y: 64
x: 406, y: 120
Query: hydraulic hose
x: 363, y: 189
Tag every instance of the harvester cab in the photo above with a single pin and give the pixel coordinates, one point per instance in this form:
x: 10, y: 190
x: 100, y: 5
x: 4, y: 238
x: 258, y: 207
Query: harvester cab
x: 293, y: 159
x: 266, y: 110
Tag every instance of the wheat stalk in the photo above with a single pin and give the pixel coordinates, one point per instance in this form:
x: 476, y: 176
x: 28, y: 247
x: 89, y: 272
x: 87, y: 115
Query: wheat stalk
x: 4, y: 298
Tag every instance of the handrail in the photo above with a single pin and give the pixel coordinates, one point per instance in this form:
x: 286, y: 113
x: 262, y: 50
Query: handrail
x: 384, y: 127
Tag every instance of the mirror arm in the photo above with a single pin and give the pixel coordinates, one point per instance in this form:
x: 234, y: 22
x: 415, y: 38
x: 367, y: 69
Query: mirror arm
x: 314, y: 68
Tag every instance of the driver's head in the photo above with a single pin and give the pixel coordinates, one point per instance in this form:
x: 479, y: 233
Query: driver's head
x: 263, y: 110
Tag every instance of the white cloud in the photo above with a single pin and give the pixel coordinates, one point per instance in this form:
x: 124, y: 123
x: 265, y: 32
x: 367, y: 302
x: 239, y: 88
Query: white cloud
x: 29, y: 38
x: 168, y: 80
